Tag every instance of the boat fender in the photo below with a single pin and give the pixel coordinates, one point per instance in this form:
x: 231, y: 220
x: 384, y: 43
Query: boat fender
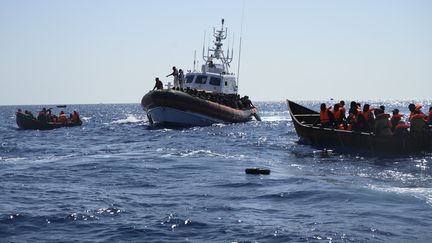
x: 257, y: 171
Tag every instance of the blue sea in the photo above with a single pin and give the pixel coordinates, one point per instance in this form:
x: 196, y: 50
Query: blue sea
x: 117, y: 179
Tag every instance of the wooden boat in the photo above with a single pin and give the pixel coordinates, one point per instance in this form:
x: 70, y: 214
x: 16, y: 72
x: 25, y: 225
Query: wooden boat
x: 27, y: 122
x: 305, y: 118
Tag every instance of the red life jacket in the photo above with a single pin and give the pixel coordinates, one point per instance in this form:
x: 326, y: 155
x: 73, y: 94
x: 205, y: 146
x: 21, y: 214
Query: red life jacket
x: 402, y: 126
x: 337, y: 114
x: 353, y: 118
x: 366, y: 114
x: 419, y: 116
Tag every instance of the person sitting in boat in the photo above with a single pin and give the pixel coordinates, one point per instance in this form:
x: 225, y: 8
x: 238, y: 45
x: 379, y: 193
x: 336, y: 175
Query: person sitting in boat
x: 50, y: 116
x: 353, y: 117
x: 28, y: 113
x: 382, y: 124
x: 326, y: 116
x: 42, y: 115
x: 337, y: 113
x: 75, y: 117
x: 62, y: 117
x: 342, y: 108
x: 418, y: 123
x: 395, y: 119
x: 175, y: 74
x: 158, y: 84
x: 414, y: 109
x: 430, y: 116
x: 401, y: 129
x: 369, y: 120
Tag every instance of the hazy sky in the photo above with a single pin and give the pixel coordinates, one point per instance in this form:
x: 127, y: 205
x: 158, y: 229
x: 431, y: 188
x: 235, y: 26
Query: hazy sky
x: 69, y: 52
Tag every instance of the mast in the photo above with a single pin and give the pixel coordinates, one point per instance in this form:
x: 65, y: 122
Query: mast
x: 217, y: 50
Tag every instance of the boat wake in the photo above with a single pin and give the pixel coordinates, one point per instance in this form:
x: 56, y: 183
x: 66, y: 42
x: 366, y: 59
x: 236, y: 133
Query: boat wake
x: 130, y: 119
x: 422, y: 193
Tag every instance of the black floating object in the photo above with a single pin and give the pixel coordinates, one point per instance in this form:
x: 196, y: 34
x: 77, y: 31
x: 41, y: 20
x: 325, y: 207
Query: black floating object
x: 257, y: 171
x: 61, y: 106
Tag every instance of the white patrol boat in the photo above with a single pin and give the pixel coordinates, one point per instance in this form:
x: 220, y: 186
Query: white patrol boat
x: 202, y: 98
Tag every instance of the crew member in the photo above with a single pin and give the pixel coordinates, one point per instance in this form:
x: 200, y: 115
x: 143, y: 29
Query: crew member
x: 181, y: 78
x: 175, y: 74
x: 158, y: 84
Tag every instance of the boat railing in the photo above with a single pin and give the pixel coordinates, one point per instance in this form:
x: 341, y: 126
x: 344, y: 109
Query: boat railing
x: 306, y: 115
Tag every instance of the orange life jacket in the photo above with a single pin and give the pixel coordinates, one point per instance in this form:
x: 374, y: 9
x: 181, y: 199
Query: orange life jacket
x: 324, y: 117
x: 62, y: 118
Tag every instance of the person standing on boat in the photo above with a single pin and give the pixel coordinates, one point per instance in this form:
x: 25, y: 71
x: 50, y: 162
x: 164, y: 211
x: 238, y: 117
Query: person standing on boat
x: 175, y: 74
x: 181, y: 78
x: 158, y: 84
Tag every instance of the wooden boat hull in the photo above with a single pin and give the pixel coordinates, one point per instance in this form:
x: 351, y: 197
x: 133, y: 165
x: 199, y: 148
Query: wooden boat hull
x: 28, y: 123
x: 173, y: 107
x: 304, y: 118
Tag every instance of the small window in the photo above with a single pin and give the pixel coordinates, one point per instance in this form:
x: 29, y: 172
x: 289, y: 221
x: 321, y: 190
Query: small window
x: 189, y: 78
x: 215, y: 81
x: 201, y: 79
x: 226, y: 83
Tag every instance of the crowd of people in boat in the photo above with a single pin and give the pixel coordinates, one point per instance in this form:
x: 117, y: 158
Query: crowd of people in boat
x: 46, y: 116
x: 375, y: 120
x: 231, y: 100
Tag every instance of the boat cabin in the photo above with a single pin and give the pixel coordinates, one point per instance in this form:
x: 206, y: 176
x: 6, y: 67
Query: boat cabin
x: 211, y: 82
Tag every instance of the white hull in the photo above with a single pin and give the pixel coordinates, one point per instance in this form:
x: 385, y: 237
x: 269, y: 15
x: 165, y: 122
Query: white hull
x: 168, y: 115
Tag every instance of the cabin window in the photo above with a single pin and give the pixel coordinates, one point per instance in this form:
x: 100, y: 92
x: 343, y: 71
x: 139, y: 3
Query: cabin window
x: 226, y: 83
x: 215, y: 81
x: 189, y: 78
x: 201, y: 79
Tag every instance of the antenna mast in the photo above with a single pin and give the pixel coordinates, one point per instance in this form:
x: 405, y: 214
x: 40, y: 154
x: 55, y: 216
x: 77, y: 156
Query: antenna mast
x: 241, y: 33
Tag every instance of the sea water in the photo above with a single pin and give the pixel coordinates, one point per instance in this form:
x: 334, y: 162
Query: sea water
x: 117, y: 179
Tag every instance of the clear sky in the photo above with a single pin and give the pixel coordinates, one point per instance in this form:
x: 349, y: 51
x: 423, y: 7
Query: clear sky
x: 102, y: 51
